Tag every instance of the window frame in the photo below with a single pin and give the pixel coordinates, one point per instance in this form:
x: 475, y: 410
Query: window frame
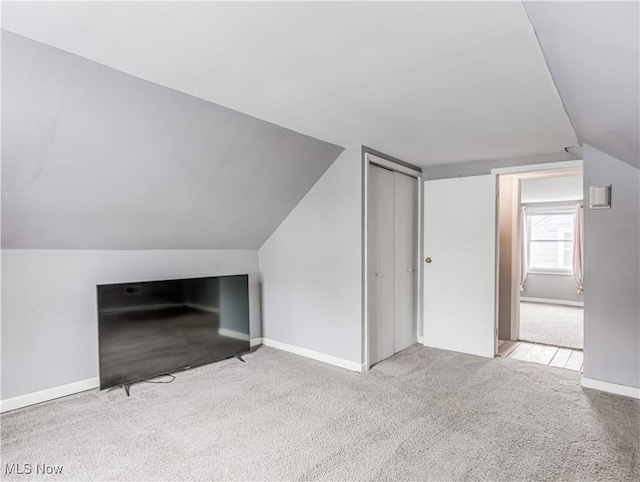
x: 548, y: 209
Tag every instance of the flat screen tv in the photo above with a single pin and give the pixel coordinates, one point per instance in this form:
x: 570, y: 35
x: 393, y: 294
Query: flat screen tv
x: 150, y: 328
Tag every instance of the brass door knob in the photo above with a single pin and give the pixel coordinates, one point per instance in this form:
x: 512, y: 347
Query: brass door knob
x: 428, y: 260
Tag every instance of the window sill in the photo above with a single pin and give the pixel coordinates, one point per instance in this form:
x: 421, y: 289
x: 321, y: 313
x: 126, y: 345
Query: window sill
x: 553, y: 272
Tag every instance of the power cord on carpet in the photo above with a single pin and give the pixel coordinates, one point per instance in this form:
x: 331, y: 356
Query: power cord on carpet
x: 163, y: 375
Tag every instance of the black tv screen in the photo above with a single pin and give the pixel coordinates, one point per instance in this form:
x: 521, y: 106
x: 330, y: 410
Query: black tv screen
x: 151, y: 328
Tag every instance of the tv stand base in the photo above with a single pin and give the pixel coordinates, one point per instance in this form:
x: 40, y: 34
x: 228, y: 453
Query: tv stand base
x: 239, y: 357
x: 126, y: 389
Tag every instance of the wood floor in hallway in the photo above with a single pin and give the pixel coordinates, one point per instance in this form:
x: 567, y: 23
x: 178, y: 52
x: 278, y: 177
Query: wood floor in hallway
x: 543, y: 354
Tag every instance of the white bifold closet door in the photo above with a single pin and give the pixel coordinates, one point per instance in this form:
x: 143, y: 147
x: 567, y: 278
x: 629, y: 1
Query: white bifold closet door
x: 392, y: 259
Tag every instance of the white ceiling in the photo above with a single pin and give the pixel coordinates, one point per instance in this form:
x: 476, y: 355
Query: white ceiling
x: 593, y: 52
x: 426, y: 82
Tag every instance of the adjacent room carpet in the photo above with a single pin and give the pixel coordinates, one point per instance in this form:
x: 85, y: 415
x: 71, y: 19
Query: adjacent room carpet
x: 556, y: 325
x: 424, y: 414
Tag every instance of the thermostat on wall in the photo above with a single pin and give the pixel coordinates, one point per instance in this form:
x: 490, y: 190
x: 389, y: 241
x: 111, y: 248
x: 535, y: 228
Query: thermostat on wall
x: 600, y: 197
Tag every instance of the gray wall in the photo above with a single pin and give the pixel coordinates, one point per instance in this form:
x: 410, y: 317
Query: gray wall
x: 592, y: 50
x: 311, y: 267
x: 612, y: 263
x: 107, y: 178
x: 612, y: 273
x: 93, y: 158
x: 49, y: 309
x: 552, y: 287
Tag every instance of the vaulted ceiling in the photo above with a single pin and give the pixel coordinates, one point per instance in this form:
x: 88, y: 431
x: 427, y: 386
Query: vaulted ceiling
x: 96, y: 159
x: 593, y: 52
x: 426, y: 82
x: 144, y: 125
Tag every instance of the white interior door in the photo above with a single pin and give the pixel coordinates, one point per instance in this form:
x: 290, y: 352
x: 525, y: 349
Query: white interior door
x: 459, y: 282
x: 405, y: 258
x: 380, y: 299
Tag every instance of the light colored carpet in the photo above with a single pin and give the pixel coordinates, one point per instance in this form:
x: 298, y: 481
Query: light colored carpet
x: 424, y: 414
x: 555, y: 325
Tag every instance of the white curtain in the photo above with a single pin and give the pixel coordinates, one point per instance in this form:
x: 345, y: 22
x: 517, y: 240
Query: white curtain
x: 524, y: 247
x: 577, y: 259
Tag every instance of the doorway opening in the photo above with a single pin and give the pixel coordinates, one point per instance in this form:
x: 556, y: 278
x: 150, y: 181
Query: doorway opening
x: 540, y: 266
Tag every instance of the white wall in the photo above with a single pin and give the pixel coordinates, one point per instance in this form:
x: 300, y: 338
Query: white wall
x: 49, y: 312
x: 551, y: 189
x: 311, y: 267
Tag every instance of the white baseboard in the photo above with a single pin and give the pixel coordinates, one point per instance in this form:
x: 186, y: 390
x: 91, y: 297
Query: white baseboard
x: 331, y: 360
x: 48, y: 394
x: 611, y: 388
x: 421, y: 339
x: 552, y: 302
x: 62, y: 391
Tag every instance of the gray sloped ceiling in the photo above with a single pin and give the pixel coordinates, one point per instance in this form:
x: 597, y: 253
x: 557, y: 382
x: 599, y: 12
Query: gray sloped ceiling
x: 593, y: 53
x: 93, y: 158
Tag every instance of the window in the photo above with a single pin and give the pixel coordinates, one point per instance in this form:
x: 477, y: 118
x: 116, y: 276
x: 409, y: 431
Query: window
x: 550, y: 231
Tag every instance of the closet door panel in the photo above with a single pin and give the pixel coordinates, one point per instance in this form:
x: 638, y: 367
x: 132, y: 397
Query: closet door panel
x: 405, y: 262
x: 380, y: 264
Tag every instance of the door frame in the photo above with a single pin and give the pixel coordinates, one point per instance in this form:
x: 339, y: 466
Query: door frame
x: 549, y: 169
x: 369, y: 156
